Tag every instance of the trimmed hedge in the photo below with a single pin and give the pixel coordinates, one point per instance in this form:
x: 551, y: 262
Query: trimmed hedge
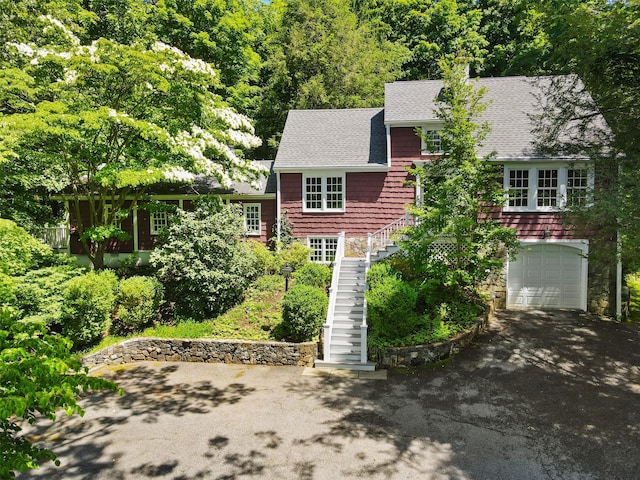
x: 391, y: 308
x: 313, y: 275
x: 137, y: 304
x: 304, y: 310
x: 88, y: 304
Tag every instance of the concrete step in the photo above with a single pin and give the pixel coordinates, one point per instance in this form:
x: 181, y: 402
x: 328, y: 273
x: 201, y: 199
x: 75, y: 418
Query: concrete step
x: 365, y: 367
x: 345, y: 357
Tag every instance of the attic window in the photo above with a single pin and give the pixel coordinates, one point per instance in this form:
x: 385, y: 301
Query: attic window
x: 431, y: 141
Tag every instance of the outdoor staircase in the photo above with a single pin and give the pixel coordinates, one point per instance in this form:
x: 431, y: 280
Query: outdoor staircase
x: 345, y: 330
x: 344, y: 338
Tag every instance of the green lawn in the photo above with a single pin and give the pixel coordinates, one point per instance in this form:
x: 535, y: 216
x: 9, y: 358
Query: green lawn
x: 254, y: 319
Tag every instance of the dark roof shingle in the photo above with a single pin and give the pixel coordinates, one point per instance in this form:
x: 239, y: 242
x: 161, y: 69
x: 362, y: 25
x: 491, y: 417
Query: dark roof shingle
x: 345, y: 138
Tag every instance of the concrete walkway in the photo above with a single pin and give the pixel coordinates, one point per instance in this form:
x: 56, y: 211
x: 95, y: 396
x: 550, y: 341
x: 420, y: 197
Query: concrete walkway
x: 551, y: 395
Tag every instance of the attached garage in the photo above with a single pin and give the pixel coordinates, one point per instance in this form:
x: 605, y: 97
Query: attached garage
x: 549, y: 274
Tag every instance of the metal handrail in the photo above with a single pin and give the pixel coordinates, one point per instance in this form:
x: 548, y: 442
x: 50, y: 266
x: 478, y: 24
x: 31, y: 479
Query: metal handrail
x: 333, y: 295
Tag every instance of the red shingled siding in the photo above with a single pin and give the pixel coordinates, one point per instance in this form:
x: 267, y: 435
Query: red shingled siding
x: 267, y: 218
x: 373, y: 200
x: 405, y: 143
x: 146, y: 241
x: 114, y: 246
x: 531, y: 225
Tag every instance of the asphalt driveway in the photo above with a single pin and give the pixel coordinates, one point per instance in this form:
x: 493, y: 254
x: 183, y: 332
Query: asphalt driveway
x: 552, y: 395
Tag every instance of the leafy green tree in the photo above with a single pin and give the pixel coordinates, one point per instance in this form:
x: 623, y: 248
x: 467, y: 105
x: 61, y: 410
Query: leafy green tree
x: 202, y: 261
x: 224, y: 33
x: 110, y: 120
x: 431, y: 30
x: 599, y: 41
x: 38, y: 377
x: 318, y: 56
x: 460, y: 190
x: 517, y: 43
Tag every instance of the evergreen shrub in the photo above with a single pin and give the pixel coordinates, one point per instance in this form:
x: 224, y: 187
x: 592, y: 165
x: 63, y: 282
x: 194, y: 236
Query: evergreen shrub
x: 391, y: 308
x: 88, y: 305
x: 19, y: 251
x: 137, y: 304
x: 39, y: 293
x: 304, y: 309
x: 313, y: 275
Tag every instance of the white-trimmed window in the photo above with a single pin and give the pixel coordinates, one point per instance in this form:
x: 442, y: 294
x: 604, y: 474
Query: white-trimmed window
x: 323, y: 193
x: 107, y: 211
x: 323, y: 249
x: 545, y: 187
x: 431, y: 142
x: 577, y: 186
x: 252, y: 218
x: 158, y: 221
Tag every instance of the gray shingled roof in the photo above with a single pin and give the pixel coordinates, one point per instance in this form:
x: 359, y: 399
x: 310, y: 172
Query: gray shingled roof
x: 208, y: 185
x: 511, y: 101
x: 347, y: 138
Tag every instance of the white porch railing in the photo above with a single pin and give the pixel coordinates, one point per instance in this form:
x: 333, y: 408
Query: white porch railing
x: 333, y: 295
x: 385, y: 236
x: 56, y: 237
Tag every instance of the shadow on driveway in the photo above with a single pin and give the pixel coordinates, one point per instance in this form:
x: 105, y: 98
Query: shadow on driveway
x: 539, y: 395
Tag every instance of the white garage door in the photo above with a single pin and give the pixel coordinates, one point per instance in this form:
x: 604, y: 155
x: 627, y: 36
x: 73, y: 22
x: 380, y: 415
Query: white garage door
x: 546, y: 276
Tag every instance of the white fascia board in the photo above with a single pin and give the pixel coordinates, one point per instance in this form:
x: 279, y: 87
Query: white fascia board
x: 264, y: 196
x: 325, y: 170
x: 414, y: 123
x: 563, y: 159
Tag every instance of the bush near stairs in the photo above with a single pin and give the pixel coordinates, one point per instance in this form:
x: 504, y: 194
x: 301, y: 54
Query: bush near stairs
x: 304, y: 309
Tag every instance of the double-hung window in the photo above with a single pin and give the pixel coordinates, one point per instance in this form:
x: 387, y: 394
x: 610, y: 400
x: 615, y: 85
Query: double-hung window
x: 252, y: 218
x: 323, y: 249
x: 323, y: 193
x: 545, y: 187
x: 431, y: 141
x: 158, y: 221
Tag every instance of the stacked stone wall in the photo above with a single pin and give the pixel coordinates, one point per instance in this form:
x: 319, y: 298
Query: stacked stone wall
x: 207, y: 351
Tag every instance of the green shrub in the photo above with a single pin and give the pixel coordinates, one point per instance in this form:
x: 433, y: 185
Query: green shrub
x: 39, y: 293
x: 137, y: 304
x: 88, y: 304
x: 378, y: 272
x: 19, y: 251
x: 202, y: 261
x: 304, y: 310
x: 7, y: 286
x: 391, y: 308
x: 633, y: 282
x: 295, y: 255
x: 266, y: 263
x: 313, y: 275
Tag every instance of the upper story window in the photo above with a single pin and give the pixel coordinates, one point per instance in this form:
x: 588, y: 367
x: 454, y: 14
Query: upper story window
x: 431, y: 141
x: 323, y: 193
x: 252, y: 218
x: 545, y: 188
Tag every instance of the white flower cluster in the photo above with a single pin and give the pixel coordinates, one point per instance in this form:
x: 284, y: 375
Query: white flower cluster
x: 178, y: 174
x: 57, y: 23
x: 243, y: 139
x: 232, y: 118
x: 188, y: 63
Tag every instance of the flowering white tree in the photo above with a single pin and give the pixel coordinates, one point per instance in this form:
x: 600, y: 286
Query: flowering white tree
x: 107, y: 121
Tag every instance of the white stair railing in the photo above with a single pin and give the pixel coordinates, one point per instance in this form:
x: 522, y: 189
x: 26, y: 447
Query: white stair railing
x: 385, y: 236
x: 333, y: 295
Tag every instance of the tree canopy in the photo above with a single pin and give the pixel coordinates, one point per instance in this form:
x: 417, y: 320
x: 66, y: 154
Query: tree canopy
x: 107, y: 120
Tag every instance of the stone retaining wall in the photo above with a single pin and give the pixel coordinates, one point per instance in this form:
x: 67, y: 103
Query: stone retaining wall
x: 417, y: 355
x: 206, y: 350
